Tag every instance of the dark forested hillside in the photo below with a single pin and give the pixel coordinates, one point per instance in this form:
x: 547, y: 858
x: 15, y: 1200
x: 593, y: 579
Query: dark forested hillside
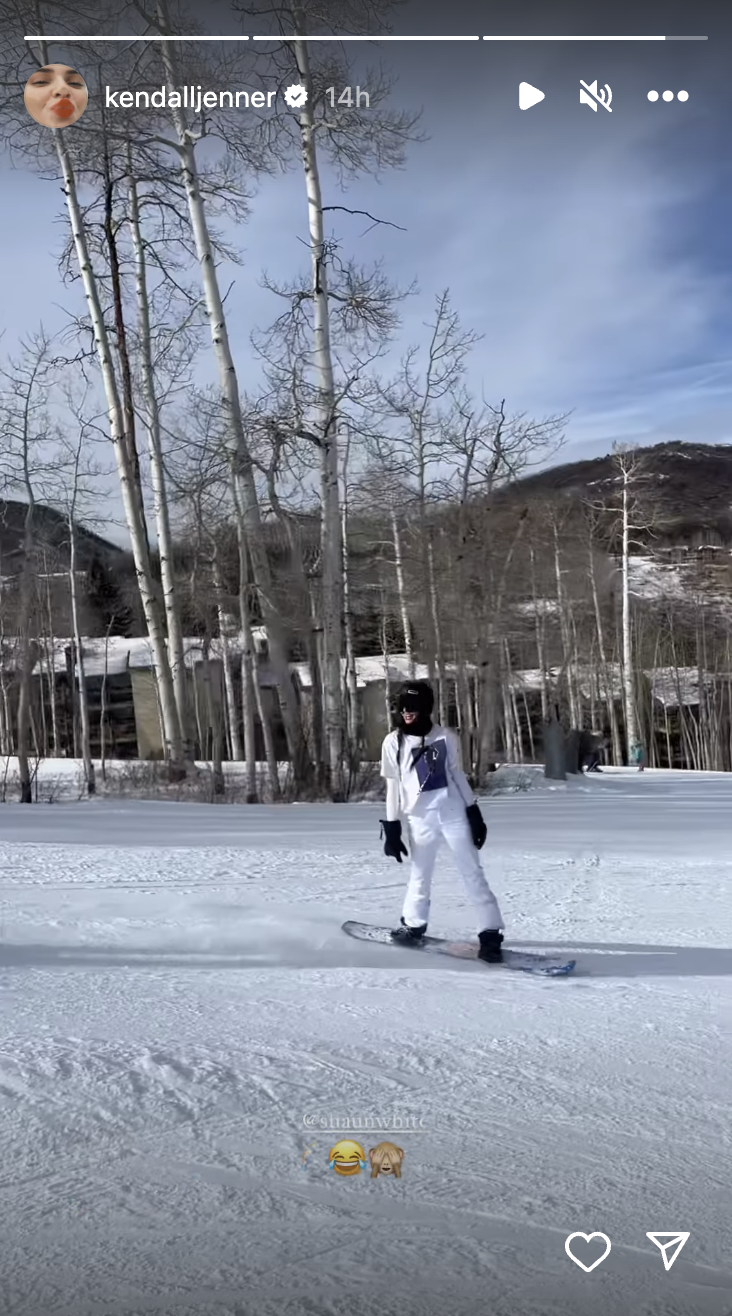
x: 692, y: 488
x: 51, y: 533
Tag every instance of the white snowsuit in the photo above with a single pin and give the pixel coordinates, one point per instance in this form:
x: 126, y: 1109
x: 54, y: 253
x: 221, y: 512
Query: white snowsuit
x: 429, y: 787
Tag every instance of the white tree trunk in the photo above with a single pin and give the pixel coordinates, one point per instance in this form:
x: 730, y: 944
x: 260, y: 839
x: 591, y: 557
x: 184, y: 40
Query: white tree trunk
x: 465, y: 711
x: 667, y: 734
x: 249, y: 723
x: 509, y: 738
x: 540, y: 633
x: 353, y: 718
x: 51, y: 672
x: 265, y: 723
x: 314, y: 649
x: 385, y: 657
x: 235, y: 744
x: 631, y: 727
x: 532, y: 745
x: 568, y: 651
x: 134, y: 512
x: 249, y: 673
x: 487, y: 694
x: 6, y: 740
x: 327, y: 428
x: 157, y: 471
x: 213, y: 718
x: 607, y: 674
x: 103, y: 709
x: 437, y: 631
x: 512, y: 711
x: 26, y: 651
x: 86, y: 753
x: 5, y: 745
x: 251, y: 687
x: 401, y: 591
x: 488, y: 676
x: 233, y: 421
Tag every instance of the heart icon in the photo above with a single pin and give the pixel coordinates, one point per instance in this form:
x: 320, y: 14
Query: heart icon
x: 588, y: 1239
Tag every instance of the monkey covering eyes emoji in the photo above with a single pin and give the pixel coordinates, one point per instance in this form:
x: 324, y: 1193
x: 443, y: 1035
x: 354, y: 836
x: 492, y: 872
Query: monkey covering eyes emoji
x: 386, y: 1159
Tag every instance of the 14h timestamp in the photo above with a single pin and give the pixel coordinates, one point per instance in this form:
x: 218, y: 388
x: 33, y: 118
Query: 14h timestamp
x: 350, y: 96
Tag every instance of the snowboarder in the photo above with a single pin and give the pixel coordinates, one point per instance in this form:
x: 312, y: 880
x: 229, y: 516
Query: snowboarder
x: 424, y: 781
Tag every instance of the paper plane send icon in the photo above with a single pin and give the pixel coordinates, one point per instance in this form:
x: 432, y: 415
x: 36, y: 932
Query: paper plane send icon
x: 670, y: 1246
x: 529, y: 95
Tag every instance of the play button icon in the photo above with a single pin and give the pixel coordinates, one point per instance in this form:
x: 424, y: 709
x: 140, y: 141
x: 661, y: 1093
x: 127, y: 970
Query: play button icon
x: 529, y: 95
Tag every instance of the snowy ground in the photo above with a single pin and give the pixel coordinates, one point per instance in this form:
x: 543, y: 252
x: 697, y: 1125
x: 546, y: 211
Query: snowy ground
x: 182, y: 1020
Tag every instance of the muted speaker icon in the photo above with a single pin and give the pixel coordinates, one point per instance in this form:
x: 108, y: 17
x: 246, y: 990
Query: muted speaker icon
x: 589, y: 95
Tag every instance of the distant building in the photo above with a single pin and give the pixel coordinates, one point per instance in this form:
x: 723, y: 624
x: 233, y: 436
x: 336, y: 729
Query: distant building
x: 126, y: 724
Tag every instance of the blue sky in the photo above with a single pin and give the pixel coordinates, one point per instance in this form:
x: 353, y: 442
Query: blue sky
x: 592, y: 250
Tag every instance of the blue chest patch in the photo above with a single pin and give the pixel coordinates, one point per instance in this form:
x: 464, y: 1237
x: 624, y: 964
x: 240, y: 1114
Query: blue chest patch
x: 431, y: 766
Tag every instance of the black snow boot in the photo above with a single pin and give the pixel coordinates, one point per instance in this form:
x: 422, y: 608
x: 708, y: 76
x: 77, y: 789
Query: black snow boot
x: 490, y: 946
x: 409, y: 936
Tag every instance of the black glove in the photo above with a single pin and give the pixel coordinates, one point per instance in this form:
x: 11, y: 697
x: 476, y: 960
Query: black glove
x: 477, y: 825
x: 394, y: 846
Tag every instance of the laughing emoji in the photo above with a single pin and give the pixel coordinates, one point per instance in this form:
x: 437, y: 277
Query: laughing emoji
x: 347, y: 1157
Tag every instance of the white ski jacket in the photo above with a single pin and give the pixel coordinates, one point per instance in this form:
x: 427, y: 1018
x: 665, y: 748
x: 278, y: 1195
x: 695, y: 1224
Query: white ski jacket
x: 422, y: 776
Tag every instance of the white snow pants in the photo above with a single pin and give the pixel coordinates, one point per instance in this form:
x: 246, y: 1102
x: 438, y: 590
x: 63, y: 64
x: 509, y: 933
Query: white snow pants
x: 426, y: 832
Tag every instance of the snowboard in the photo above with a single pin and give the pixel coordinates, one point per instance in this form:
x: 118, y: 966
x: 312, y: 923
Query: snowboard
x: 545, y: 966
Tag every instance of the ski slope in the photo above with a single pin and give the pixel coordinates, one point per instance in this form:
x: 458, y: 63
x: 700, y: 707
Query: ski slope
x: 182, y: 1021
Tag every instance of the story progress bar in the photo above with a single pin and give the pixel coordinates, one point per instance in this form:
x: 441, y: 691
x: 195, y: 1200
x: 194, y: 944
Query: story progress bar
x: 66, y: 38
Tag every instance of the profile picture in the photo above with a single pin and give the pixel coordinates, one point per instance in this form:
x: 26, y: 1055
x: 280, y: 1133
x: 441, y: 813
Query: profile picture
x: 56, y: 96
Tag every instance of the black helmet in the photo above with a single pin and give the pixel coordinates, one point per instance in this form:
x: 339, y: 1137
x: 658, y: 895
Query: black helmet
x: 415, y: 697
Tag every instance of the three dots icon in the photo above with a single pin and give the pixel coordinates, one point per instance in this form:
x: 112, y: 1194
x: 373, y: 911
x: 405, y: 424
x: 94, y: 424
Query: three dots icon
x: 668, y: 96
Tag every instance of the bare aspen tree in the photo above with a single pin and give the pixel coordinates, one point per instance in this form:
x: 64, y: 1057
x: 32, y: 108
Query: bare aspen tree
x: 201, y: 480
x: 636, y: 513
x: 198, y: 479
x: 625, y: 466
x: 413, y: 405
x: 355, y: 141
x: 112, y: 356
x: 6, y: 721
x: 437, y: 632
x: 213, y: 722
x: 47, y: 657
x: 128, y: 479
x: 326, y: 420
x: 74, y: 477
x: 352, y: 705
x: 485, y: 448
x: 384, y: 638
x: 381, y: 489
x: 184, y: 147
x: 396, y: 537
x: 606, y: 673
x: 277, y: 464
x: 26, y: 648
x: 252, y: 703
x: 569, y: 651
x: 539, y: 637
x: 25, y: 389
x: 235, y: 742
x: 157, y: 468
x: 488, y: 676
